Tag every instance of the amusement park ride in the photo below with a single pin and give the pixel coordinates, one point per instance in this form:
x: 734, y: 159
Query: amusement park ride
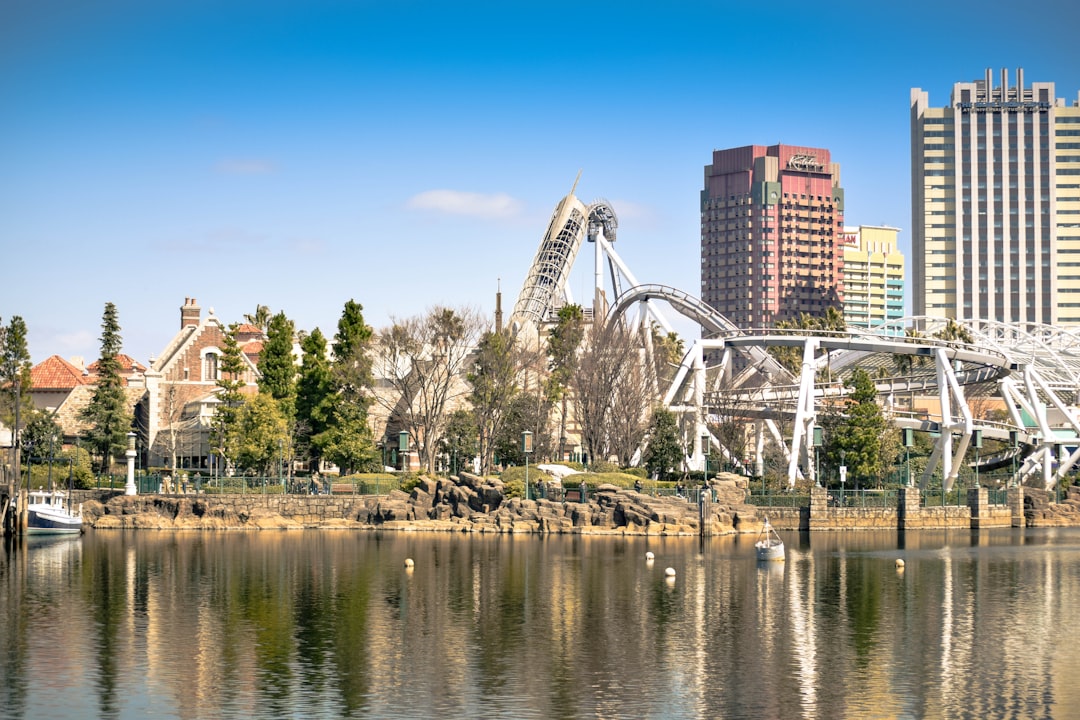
x: 1033, y: 370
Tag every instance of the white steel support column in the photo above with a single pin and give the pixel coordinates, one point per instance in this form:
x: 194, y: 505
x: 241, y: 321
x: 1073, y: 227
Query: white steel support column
x: 759, y: 448
x: 955, y: 418
x: 805, y: 414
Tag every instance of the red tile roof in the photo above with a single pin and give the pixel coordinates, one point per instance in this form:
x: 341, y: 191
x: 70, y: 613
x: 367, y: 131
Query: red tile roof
x: 56, y: 373
x: 253, y: 348
x: 127, y: 365
x: 249, y: 329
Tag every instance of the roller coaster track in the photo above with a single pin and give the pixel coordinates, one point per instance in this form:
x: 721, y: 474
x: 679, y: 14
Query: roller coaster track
x: 1036, y: 368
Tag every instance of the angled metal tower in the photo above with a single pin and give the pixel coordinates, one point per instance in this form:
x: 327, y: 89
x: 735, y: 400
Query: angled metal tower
x: 545, y: 285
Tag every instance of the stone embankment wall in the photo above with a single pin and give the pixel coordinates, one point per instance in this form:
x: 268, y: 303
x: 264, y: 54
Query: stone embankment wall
x: 467, y: 504
x: 473, y: 504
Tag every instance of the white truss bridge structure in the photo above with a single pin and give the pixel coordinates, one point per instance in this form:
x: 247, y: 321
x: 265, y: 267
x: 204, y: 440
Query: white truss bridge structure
x: 1031, y: 371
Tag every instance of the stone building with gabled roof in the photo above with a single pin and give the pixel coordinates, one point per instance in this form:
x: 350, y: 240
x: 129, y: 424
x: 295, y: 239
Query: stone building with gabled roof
x: 175, y: 417
x: 65, y: 388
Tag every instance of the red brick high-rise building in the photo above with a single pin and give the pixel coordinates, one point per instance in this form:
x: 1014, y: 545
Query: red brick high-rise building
x: 772, y: 222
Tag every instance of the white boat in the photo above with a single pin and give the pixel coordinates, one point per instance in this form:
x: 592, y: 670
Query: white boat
x: 769, y: 545
x: 49, y: 513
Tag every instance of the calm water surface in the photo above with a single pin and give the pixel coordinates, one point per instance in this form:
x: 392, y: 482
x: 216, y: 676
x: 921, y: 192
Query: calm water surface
x: 328, y: 624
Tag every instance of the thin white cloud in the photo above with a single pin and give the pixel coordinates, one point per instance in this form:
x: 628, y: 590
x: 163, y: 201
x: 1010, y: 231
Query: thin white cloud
x: 76, y: 341
x: 456, y: 202
x: 632, y: 210
x: 245, y: 166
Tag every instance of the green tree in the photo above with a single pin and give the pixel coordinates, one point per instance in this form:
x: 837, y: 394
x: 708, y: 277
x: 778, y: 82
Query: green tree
x: 668, y: 351
x: 563, y: 344
x: 525, y: 411
x: 107, y: 413
x: 663, y: 450
x: 494, y: 382
x: 15, y: 379
x: 260, y: 318
x: 347, y: 439
x: 277, y: 366
x: 230, y: 396
x: 903, y: 362
x: 859, y: 434
x: 351, y: 366
x: 313, y: 388
x: 260, y: 437
x: 41, y: 438
x: 955, y: 332
x: 459, y: 441
x: 791, y: 357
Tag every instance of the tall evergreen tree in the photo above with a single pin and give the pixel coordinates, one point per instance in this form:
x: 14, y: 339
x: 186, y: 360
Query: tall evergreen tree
x: 347, y: 440
x: 563, y: 344
x: 313, y: 387
x: 352, y: 360
x: 859, y: 434
x: 277, y: 366
x: 108, y: 415
x: 663, y: 451
x: 15, y: 379
x: 230, y: 398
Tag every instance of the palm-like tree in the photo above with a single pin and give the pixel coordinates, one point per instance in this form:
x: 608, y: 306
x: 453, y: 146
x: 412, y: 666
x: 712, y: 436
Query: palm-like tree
x: 260, y: 318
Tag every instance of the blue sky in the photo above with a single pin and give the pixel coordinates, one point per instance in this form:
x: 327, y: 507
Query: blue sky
x: 408, y: 154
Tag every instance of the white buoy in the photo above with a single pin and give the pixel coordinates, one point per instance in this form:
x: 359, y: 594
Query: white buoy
x: 649, y: 556
x: 670, y: 572
x: 409, y: 563
x: 899, y: 564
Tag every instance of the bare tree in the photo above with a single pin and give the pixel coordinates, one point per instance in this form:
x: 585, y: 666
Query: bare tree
x: 174, y: 400
x: 611, y: 393
x: 494, y: 378
x: 423, y: 359
x: 731, y: 414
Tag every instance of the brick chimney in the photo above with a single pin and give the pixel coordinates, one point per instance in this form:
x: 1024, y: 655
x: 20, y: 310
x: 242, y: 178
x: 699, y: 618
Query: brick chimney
x: 189, y: 314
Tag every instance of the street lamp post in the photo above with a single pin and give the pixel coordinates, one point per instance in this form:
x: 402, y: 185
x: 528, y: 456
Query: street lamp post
x: 526, y: 448
x: 129, y: 488
x: 843, y: 475
x: 403, y: 449
x: 818, y: 442
x: 978, y: 447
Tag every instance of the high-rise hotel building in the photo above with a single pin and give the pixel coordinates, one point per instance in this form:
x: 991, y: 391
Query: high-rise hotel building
x: 772, y: 220
x: 873, y: 278
x: 995, y: 189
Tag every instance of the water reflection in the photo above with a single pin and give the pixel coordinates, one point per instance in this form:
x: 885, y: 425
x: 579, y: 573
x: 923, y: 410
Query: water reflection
x: 331, y: 624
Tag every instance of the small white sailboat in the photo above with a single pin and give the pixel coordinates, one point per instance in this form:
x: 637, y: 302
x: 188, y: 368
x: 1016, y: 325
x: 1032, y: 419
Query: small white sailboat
x: 48, y: 514
x: 769, y: 545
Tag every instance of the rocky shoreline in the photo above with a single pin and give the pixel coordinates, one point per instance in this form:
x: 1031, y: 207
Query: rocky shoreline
x: 466, y: 504
x: 471, y: 504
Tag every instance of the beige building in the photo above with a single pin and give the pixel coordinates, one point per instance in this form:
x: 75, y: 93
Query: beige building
x: 873, y: 277
x: 995, y: 189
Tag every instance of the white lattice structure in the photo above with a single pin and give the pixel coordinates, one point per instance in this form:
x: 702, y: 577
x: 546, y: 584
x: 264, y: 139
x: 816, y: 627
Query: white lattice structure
x: 1034, y: 369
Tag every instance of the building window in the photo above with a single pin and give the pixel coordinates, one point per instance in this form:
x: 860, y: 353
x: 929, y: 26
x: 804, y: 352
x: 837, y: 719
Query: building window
x: 210, y: 366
